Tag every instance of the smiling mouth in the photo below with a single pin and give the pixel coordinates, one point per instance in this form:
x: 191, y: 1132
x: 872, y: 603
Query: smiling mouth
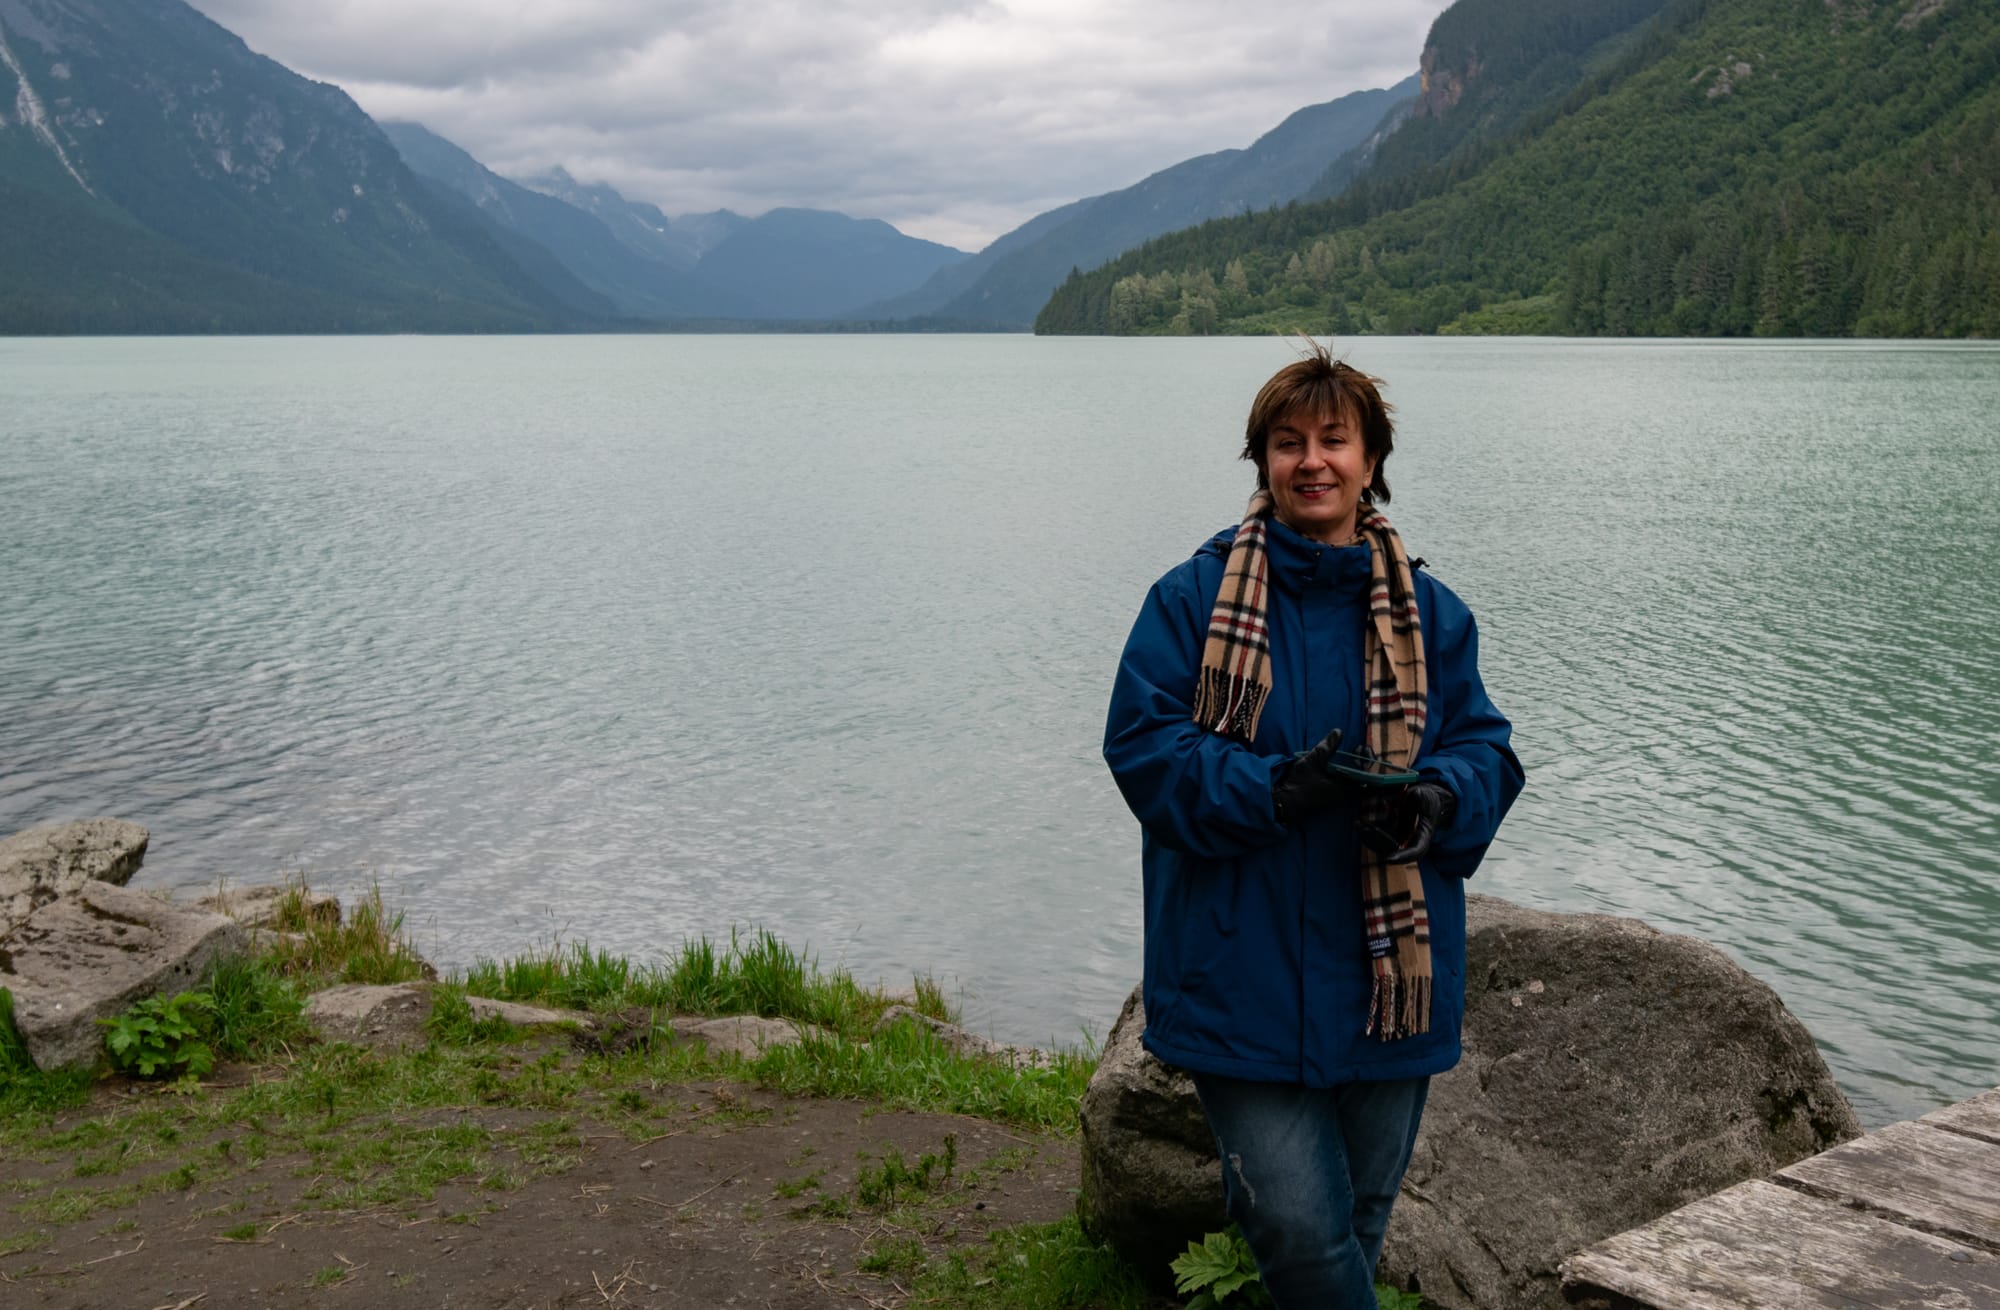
x: 1314, y: 488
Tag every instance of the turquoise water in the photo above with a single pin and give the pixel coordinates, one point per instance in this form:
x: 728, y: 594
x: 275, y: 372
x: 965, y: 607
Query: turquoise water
x: 625, y: 639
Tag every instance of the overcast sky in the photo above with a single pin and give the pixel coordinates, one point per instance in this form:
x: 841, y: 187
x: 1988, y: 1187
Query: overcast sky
x: 955, y: 120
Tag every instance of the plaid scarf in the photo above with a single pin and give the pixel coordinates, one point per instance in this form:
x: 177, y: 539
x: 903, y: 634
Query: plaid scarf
x: 1235, y: 682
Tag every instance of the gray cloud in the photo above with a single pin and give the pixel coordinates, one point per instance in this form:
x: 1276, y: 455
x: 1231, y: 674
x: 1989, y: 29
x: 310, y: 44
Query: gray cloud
x: 952, y: 119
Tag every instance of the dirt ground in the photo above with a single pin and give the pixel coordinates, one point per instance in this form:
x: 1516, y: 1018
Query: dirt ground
x: 746, y: 1198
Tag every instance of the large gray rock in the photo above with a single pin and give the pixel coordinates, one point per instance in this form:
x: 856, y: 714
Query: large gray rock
x: 92, y: 954
x: 1612, y: 1073
x: 41, y: 864
x: 1151, y: 1179
x: 744, y: 1035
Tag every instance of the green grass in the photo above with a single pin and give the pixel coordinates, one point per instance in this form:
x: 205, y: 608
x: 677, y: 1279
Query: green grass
x: 753, y: 973
x: 373, y: 1127
x: 368, y: 945
x: 908, y: 1066
x: 1047, y: 1266
x: 893, y: 1255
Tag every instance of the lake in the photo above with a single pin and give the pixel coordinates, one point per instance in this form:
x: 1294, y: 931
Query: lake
x: 627, y: 639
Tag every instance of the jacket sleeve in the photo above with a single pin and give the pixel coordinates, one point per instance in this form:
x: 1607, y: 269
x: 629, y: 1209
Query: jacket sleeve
x: 1472, y: 752
x: 1191, y: 789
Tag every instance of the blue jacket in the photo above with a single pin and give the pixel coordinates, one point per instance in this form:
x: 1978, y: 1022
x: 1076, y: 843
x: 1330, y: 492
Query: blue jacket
x: 1255, y: 963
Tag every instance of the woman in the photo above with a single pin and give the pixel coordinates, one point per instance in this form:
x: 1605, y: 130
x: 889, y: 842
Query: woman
x: 1305, y: 931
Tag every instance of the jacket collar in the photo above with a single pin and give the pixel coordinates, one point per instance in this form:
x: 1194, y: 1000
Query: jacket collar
x: 1299, y: 563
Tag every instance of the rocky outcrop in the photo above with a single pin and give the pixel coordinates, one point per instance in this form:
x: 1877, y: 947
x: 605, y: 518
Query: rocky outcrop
x: 41, y: 864
x: 1611, y: 1073
x: 92, y: 954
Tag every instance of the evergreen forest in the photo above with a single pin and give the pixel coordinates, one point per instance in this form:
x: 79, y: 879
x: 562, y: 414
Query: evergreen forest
x: 1715, y: 168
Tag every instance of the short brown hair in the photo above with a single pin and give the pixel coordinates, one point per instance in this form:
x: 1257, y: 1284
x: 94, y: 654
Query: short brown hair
x: 1320, y: 385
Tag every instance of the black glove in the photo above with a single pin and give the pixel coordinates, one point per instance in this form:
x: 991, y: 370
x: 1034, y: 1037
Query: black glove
x: 1306, y: 788
x: 1418, y: 813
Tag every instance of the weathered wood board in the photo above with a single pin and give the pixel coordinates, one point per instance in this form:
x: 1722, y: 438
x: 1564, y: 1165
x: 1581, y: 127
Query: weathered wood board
x: 1761, y: 1246
x: 1943, y: 1182
x: 1979, y: 1116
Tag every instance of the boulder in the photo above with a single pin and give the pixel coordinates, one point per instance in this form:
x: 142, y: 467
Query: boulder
x: 257, y: 906
x: 1151, y: 1179
x: 1612, y: 1073
x: 371, y: 1014
x: 90, y: 955
x: 745, y: 1035
x: 40, y: 864
x: 396, y: 1014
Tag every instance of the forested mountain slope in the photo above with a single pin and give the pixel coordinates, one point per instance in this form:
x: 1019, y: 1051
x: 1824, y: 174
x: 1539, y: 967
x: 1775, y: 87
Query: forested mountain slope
x: 1776, y: 167
x: 1488, y: 66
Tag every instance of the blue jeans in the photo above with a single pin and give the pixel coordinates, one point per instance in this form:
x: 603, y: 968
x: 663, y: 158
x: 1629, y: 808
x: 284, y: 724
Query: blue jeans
x: 1309, y: 1175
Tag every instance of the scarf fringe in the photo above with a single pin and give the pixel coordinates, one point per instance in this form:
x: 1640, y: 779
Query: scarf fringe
x: 1399, y: 1007
x: 1229, y: 701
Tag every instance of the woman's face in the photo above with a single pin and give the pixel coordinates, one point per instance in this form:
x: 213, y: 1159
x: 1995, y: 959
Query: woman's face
x: 1317, y: 467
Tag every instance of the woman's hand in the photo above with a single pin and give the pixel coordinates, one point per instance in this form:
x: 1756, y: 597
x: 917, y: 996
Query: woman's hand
x: 1420, y: 812
x: 1307, y: 787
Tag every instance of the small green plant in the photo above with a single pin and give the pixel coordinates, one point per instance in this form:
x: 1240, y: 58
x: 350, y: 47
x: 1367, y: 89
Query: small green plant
x: 893, y: 1255
x: 1217, y: 1268
x: 158, y: 1037
x: 240, y: 1233
x: 792, y: 1188
x: 14, y: 1057
x: 876, y: 1187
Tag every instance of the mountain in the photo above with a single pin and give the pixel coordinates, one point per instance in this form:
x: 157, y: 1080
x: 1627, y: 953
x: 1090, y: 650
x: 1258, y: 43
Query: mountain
x: 679, y: 242
x: 628, y: 280
x: 160, y: 176
x: 812, y: 264
x: 787, y: 264
x: 1776, y: 167
x: 1017, y: 272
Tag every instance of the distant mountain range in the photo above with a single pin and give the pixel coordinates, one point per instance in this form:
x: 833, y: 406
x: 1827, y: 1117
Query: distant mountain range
x: 788, y: 264
x: 156, y: 175
x: 1006, y: 283
x: 1626, y: 167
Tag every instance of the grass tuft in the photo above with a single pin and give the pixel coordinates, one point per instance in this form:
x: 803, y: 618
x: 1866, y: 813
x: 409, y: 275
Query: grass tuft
x: 931, y: 1002
x: 367, y: 946
x: 1052, y: 1266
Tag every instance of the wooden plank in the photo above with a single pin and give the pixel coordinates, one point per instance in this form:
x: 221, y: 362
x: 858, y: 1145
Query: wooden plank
x: 1939, y: 1181
x: 1759, y: 1246
x: 1979, y: 1116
